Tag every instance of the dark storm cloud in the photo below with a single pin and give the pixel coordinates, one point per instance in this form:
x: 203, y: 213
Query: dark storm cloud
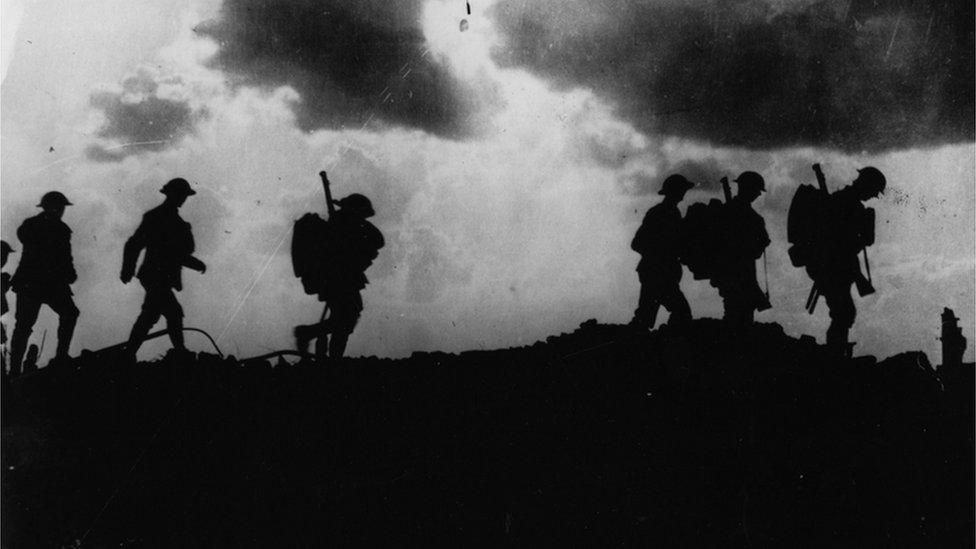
x: 138, y: 118
x: 348, y: 59
x: 705, y: 173
x: 853, y: 75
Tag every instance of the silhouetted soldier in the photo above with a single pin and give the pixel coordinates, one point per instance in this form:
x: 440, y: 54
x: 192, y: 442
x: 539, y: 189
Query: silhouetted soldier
x: 354, y: 244
x: 5, y: 251
x: 44, y: 276
x: 659, y: 271
x: 849, y: 228
x: 168, y: 241
x: 745, y: 243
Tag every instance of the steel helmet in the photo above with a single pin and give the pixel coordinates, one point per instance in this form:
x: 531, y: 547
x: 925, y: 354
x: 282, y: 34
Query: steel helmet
x: 357, y: 203
x: 53, y: 198
x: 873, y: 177
x: 675, y: 183
x: 751, y: 179
x: 178, y: 187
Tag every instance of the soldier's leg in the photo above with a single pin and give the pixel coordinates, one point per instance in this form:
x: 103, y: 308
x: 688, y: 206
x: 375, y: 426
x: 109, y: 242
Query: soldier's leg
x: 24, y: 319
x: 320, y: 332
x: 173, y: 313
x: 67, y: 312
x: 842, y: 313
x: 677, y: 305
x: 148, y: 316
x: 738, y: 309
x: 305, y: 333
x: 345, y: 316
x: 647, y: 305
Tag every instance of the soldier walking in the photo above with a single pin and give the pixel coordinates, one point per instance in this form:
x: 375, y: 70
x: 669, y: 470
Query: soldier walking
x: 43, y: 277
x: 168, y: 242
x: 353, y: 244
x: 746, y: 242
x: 5, y: 251
x: 659, y: 271
x: 848, y: 231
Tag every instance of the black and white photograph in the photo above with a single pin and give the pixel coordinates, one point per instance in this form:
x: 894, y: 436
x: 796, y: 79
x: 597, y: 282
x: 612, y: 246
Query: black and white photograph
x: 501, y: 273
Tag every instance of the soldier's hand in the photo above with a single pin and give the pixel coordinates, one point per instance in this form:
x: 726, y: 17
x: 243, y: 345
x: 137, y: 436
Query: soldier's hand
x: 125, y: 278
x: 203, y: 267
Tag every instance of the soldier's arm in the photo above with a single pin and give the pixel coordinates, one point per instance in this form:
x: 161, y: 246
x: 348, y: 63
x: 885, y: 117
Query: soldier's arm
x: 72, y: 273
x: 644, y: 233
x: 193, y: 263
x: 763, y: 239
x: 189, y: 261
x: 130, y: 253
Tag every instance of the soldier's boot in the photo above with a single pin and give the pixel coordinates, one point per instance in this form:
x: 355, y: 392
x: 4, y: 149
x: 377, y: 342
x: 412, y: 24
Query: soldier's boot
x: 66, y: 329
x: 837, y: 344
x: 645, y: 317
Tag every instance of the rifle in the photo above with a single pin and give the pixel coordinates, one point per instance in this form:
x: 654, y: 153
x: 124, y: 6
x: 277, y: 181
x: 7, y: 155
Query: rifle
x: 815, y: 291
x: 726, y: 190
x: 329, y: 204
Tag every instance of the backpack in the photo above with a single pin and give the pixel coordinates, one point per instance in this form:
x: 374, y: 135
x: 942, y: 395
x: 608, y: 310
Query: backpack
x: 805, y: 224
x: 310, y: 252
x: 703, y: 238
x: 816, y: 231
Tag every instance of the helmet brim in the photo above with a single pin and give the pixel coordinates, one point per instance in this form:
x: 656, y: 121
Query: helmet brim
x: 187, y: 192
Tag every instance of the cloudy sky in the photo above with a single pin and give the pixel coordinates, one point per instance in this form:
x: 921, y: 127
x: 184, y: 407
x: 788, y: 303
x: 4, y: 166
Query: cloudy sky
x: 509, y: 164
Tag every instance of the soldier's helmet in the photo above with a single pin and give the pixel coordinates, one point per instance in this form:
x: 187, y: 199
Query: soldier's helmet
x: 675, y: 183
x: 53, y: 199
x: 871, y: 178
x: 751, y: 180
x: 356, y: 203
x: 177, y: 187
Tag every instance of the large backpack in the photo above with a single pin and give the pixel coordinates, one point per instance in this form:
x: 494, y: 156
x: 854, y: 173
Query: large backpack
x: 805, y: 224
x: 816, y: 231
x: 310, y: 252
x: 703, y: 238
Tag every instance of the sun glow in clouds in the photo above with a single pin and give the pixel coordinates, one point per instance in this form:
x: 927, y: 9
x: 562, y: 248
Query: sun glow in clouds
x: 467, y: 52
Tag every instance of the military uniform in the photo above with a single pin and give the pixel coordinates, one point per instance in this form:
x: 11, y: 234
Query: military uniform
x: 746, y: 240
x: 839, y: 268
x: 168, y: 242
x: 659, y: 270
x: 43, y: 277
x: 354, y: 244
